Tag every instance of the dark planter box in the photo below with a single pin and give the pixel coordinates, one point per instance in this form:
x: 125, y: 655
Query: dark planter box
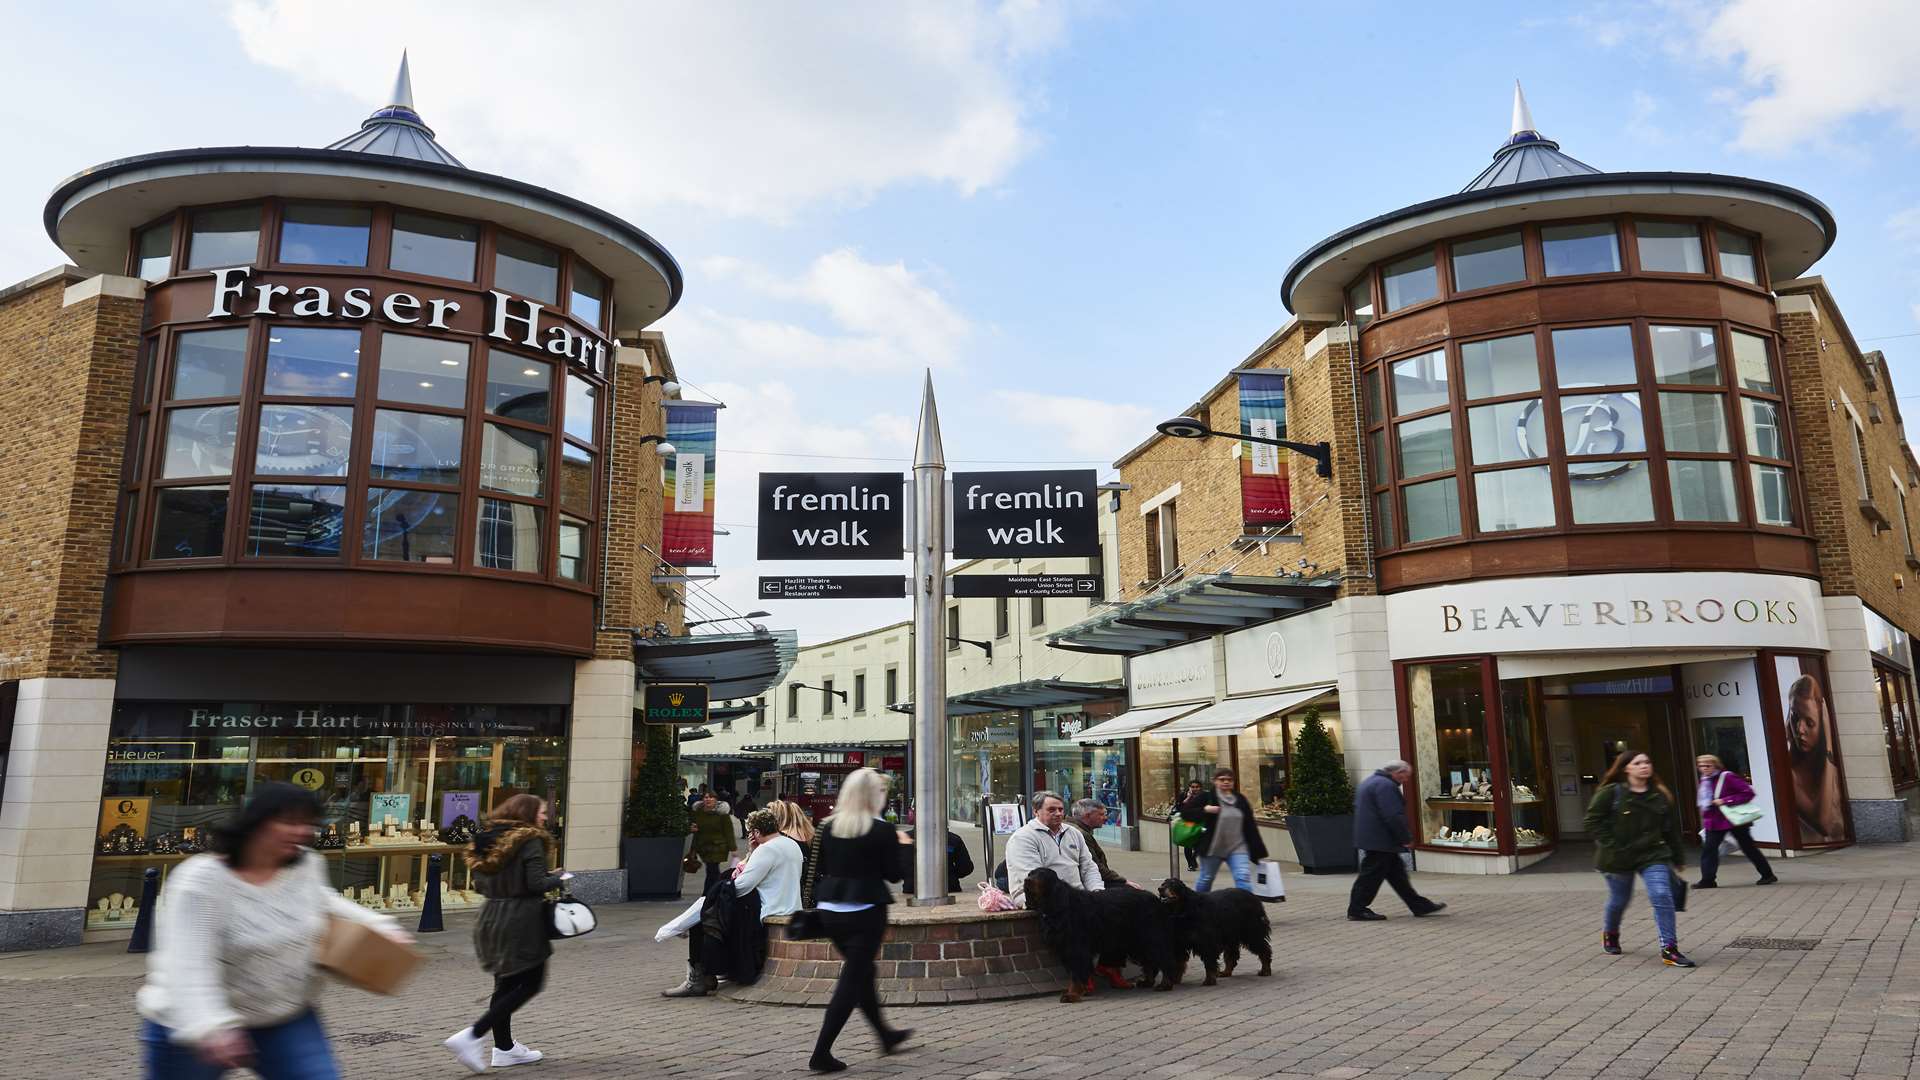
x: 1324, y: 843
x: 653, y: 866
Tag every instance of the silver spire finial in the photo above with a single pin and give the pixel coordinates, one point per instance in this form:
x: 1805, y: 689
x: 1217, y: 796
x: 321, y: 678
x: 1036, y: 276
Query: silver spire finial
x: 927, y: 448
x: 1522, y: 116
x: 403, y: 86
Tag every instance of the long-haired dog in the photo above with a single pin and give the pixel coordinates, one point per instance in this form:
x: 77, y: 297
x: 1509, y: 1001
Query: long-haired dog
x: 1212, y: 924
x: 1108, y: 926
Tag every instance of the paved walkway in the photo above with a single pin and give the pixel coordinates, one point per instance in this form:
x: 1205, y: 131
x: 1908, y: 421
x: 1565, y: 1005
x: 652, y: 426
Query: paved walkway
x: 1508, y: 982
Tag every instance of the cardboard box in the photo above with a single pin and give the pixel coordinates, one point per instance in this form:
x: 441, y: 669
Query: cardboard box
x: 361, y: 956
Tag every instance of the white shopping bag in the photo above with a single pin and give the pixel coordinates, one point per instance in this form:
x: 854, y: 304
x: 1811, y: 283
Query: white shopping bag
x: 1267, y: 884
x: 682, y: 922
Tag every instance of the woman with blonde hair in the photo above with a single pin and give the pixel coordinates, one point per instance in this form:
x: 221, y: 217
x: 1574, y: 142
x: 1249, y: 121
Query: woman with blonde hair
x: 1635, y: 825
x: 793, y: 821
x: 859, y: 854
x: 1721, y: 786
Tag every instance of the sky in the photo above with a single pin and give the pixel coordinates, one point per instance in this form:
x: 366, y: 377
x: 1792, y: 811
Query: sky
x: 1075, y: 215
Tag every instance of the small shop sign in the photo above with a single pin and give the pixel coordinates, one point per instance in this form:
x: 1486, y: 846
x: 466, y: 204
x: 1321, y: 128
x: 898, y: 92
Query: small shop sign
x: 674, y: 704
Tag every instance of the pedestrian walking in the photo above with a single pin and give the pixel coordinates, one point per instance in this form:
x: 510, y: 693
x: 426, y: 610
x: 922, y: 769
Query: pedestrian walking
x: 510, y: 870
x: 1228, y: 834
x: 1189, y: 810
x: 1380, y: 832
x: 1635, y: 822
x: 231, y: 981
x: 713, y: 839
x: 742, y: 807
x: 859, y: 853
x: 1721, y: 787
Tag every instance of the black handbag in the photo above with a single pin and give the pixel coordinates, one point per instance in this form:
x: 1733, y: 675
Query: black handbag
x: 1679, y: 891
x: 805, y: 924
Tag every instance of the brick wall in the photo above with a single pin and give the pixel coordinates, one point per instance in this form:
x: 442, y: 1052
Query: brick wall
x: 1832, y: 381
x: 69, y: 376
x: 1329, y: 513
x: 633, y: 519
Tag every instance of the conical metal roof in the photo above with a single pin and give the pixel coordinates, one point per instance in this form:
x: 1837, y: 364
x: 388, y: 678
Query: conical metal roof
x: 1527, y: 154
x: 396, y: 129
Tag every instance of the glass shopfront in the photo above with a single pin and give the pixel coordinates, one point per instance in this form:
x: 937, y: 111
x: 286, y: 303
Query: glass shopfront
x: 983, y: 757
x: 1097, y: 771
x: 398, y: 783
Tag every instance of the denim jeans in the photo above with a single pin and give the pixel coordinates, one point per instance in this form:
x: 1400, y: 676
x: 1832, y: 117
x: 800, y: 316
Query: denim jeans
x: 1239, y: 863
x: 1659, y: 881
x: 295, y: 1050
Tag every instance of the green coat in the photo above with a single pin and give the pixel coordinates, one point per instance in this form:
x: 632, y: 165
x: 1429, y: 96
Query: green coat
x: 1644, y: 831
x: 510, y: 870
x: 713, y: 834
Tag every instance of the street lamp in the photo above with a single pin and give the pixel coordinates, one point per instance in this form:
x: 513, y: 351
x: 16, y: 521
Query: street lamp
x: 665, y: 449
x: 985, y: 646
x: 841, y: 694
x: 736, y: 618
x: 1186, y: 427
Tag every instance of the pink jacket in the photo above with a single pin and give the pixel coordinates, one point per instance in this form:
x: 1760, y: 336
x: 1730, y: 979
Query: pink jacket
x: 1733, y: 792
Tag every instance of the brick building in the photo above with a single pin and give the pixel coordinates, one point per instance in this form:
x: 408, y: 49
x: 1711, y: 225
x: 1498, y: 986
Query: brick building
x: 336, y: 467
x: 1608, y: 473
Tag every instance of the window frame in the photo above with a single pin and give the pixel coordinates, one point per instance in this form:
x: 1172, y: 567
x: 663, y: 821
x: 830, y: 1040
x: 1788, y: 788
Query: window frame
x: 280, y: 225
x: 1701, y: 227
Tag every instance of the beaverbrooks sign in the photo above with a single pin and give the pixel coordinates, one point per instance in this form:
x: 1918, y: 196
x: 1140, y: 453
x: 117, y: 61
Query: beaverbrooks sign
x: 1607, y: 611
x: 675, y: 704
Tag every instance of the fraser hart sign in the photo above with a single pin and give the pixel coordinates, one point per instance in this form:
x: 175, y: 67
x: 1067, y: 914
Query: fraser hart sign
x: 1607, y: 611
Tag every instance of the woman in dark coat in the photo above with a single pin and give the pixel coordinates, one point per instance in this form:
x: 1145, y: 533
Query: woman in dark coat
x: 1229, y: 834
x: 859, y: 854
x: 510, y: 870
x: 1635, y: 825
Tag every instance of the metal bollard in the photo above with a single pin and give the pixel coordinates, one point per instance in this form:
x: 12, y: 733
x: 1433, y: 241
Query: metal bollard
x: 430, y: 905
x: 143, y: 923
x: 1173, y: 851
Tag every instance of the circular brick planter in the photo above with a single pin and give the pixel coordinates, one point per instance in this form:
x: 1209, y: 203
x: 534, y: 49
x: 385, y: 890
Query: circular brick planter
x: 931, y: 956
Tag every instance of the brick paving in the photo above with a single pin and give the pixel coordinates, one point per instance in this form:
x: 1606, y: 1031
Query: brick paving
x: 1508, y: 982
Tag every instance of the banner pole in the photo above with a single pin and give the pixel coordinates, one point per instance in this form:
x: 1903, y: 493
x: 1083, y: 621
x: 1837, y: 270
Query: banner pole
x: 929, y: 586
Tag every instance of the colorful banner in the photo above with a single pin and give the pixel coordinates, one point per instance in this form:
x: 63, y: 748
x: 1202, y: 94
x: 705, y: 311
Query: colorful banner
x: 1265, y: 501
x: 687, y: 532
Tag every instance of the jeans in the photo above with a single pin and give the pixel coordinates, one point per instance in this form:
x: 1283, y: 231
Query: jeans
x: 1710, y: 853
x: 1239, y: 863
x: 295, y: 1050
x: 510, y: 992
x: 1659, y: 879
x: 1387, y: 866
x: 856, y: 934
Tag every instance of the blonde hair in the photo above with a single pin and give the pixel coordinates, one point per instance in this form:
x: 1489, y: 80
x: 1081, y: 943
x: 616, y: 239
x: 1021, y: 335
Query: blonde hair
x: 863, y: 794
x: 793, y: 821
x: 1717, y: 763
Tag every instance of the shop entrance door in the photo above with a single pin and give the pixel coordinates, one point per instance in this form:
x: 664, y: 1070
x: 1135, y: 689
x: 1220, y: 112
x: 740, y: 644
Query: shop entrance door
x: 1588, y: 716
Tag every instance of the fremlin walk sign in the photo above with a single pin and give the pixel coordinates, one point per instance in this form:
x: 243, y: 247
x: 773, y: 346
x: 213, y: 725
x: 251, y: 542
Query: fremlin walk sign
x: 832, y: 516
x: 1025, y: 515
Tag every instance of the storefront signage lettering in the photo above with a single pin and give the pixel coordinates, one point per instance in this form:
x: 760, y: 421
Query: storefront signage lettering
x: 137, y: 720
x: 1721, y: 688
x: 1607, y: 611
x: 831, y: 516
x: 1296, y: 651
x: 298, y: 719
x: 1071, y: 724
x: 1182, y: 673
x: 1030, y: 514
x: 508, y: 319
x: 675, y: 704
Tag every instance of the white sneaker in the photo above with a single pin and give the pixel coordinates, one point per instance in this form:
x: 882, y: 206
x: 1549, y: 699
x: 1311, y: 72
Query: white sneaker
x: 519, y: 1055
x: 469, y: 1048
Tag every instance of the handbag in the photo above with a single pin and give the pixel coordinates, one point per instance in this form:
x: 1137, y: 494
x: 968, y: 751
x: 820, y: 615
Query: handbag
x: 1740, y: 815
x: 1679, y: 885
x: 1267, y: 883
x: 568, y: 917
x: 690, y: 864
x: 805, y: 924
x: 992, y: 899
x: 1187, y: 833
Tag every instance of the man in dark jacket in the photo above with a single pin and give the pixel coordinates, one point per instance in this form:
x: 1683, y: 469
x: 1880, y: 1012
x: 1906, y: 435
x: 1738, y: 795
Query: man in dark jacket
x: 1087, y: 816
x: 1380, y: 830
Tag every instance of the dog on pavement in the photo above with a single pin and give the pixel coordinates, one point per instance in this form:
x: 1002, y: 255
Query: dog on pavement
x: 1105, y: 926
x: 1213, y: 925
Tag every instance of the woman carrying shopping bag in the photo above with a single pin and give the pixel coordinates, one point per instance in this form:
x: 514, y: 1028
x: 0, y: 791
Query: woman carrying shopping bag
x: 1726, y: 806
x: 1636, y: 824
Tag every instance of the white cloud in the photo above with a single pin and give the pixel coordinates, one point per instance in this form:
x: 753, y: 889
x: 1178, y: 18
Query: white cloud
x: 757, y: 110
x: 1095, y: 429
x: 1809, y: 69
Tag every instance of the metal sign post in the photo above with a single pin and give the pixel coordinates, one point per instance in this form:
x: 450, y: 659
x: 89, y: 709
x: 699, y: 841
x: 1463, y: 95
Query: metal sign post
x: 930, y: 658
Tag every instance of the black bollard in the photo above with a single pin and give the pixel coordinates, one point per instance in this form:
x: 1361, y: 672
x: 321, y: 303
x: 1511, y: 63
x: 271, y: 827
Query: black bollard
x: 430, y: 905
x: 143, y: 923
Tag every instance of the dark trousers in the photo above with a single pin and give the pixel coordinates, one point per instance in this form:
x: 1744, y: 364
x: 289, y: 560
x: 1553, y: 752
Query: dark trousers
x: 1193, y: 857
x: 1710, y: 853
x: 713, y: 875
x: 509, y: 993
x: 1378, y: 866
x: 856, y: 935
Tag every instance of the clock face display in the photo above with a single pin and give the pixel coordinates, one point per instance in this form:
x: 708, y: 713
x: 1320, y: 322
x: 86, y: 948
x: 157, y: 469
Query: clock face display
x: 304, y: 440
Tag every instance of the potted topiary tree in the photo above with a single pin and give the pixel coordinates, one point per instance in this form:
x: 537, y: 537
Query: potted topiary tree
x: 1320, y: 802
x: 655, y: 825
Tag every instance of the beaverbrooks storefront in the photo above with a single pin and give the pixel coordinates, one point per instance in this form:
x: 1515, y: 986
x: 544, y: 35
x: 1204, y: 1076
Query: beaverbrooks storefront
x: 1515, y: 695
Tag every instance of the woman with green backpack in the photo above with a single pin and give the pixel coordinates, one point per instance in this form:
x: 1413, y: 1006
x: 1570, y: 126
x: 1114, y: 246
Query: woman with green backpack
x: 1635, y: 822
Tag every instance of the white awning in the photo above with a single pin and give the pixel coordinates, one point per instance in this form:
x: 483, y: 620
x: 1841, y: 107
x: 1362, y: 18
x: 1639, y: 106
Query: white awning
x: 1129, y: 724
x: 1231, y: 716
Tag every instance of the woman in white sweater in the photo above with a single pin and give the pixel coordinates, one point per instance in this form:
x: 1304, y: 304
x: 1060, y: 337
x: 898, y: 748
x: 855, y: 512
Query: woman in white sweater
x: 772, y: 870
x: 231, y: 980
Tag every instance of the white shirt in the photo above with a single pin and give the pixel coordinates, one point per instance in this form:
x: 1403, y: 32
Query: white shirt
x: 1033, y: 846
x: 773, y: 871
x: 228, y: 953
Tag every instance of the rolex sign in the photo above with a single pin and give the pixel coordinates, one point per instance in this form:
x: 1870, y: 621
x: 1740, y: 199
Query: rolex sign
x: 675, y: 704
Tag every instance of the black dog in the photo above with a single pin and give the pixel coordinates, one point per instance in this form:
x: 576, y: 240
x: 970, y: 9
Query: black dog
x: 1110, y: 926
x: 1212, y: 923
